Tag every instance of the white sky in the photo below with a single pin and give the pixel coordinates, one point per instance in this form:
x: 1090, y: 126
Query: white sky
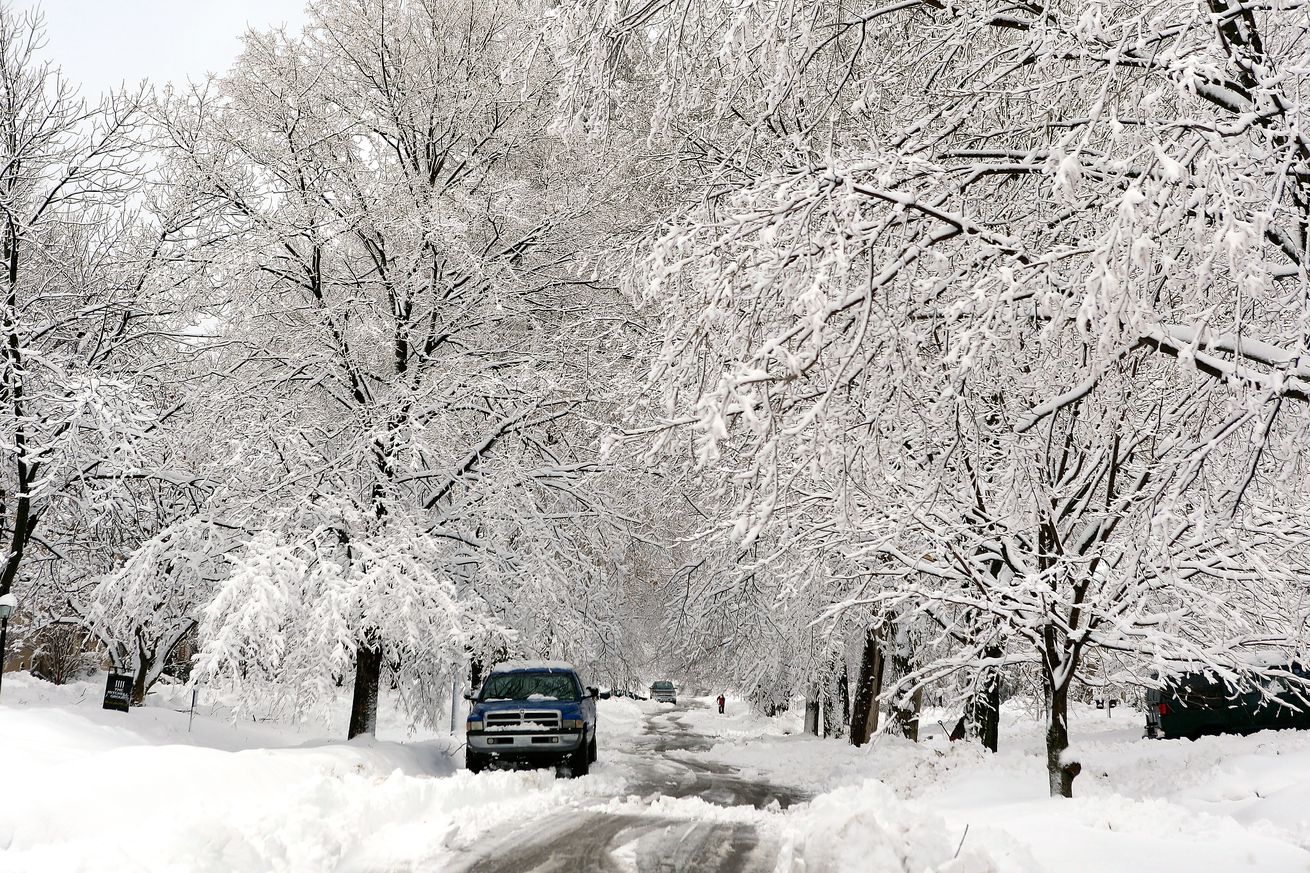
x: 102, y: 43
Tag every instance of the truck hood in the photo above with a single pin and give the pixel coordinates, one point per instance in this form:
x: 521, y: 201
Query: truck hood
x: 566, y: 708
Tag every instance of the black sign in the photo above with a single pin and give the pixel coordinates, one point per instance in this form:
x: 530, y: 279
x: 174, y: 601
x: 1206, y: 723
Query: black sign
x: 118, y: 692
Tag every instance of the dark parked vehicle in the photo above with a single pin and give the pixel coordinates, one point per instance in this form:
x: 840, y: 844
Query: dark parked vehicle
x: 1196, y: 704
x: 532, y: 714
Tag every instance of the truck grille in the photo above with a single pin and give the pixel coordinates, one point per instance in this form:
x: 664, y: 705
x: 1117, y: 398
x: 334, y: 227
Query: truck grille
x: 527, y: 719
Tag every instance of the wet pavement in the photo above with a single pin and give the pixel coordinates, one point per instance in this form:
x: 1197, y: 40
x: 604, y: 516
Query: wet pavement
x: 593, y: 841
x: 671, y: 775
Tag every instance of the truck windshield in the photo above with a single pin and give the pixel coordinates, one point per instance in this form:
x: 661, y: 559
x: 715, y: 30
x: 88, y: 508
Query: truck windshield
x: 530, y: 686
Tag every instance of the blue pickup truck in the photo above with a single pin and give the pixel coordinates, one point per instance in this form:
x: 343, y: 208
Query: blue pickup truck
x: 532, y: 714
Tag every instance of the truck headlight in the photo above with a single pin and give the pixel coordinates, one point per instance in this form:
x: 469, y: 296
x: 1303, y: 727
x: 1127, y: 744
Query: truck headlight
x: 572, y: 724
x: 474, y: 727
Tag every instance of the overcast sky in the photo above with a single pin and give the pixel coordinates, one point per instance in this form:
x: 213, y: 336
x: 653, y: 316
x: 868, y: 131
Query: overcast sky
x: 102, y: 43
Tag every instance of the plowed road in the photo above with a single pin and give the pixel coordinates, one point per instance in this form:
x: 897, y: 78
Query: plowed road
x: 642, y: 840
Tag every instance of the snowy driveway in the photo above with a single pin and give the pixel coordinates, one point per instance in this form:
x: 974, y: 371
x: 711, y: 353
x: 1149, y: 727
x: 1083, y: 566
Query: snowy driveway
x: 634, y: 833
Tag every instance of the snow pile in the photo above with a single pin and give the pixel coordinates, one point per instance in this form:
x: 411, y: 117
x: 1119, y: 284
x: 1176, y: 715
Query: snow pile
x: 866, y: 827
x: 142, y: 807
x: 692, y: 809
x: 1221, y: 803
x: 798, y: 760
x: 207, y: 811
x: 90, y: 790
x: 738, y: 722
x: 619, y: 716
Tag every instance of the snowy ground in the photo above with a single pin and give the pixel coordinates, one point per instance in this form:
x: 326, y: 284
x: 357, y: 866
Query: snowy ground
x: 677, y: 789
x: 1221, y: 803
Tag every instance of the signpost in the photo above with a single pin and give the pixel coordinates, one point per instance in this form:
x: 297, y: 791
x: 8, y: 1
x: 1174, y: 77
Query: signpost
x: 8, y: 604
x: 118, y: 692
x: 454, y: 702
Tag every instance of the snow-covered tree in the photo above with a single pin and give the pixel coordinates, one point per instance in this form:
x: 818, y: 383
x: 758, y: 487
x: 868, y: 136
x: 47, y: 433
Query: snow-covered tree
x: 143, y: 608
x: 83, y: 390
x: 1004, y: 306
x: 418, y: 350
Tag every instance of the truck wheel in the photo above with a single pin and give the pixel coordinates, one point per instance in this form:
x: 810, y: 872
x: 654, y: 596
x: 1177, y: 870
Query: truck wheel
x: 473, y: 762
x: 581, y: 763
x: 591, y: 751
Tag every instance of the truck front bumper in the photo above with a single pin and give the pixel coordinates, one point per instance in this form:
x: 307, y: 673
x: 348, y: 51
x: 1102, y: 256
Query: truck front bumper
x: 524, y: 746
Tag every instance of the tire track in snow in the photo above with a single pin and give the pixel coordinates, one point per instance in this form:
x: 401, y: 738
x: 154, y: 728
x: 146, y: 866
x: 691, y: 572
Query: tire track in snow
x: 591, y: 841
x: 595, y: 842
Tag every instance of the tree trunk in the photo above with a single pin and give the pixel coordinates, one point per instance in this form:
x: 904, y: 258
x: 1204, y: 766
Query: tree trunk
x: 844, y: 699
x: 149, y: 665
x: 139, y: 683
x: 141, y: 668
x: 1061, y: 772
x: 364, y: 706
x: 868, y: 685
x: 25, y: 518
x: 903, y: 711
x: 834, y: 722
x: 912, y: 728
x: 476, y: 671
x: 812, y: 715
x: 480, y: 665
x: 983, y: 712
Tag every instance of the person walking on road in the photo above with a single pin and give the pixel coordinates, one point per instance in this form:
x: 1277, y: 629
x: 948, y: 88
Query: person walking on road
x: 721, y: 702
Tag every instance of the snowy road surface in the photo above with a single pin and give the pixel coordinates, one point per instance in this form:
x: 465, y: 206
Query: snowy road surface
x: 642, y: 840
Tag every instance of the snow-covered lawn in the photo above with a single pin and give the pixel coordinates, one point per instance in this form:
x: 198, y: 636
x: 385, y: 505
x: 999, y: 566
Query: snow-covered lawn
x: 83, y: 789
x: 1219, y: 804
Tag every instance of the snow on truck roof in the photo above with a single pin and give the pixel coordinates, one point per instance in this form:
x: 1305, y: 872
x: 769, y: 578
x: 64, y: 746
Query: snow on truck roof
x: 536, y: 666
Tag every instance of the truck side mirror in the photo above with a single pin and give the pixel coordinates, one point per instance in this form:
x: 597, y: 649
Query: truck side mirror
x: 593, y: 693
x: 470, y: 696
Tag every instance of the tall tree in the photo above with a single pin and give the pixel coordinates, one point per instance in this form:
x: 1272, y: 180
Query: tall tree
x: 82, y: 396
x: 418, y: 342
x: 1037, y: 312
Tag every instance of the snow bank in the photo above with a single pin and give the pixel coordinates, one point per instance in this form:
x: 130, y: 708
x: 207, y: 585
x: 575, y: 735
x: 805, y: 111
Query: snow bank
x: 1221, y: 803
x: 866, y: 827
x: 739, y: 721
x: 91, y: 790
x: 619, y: 716
x: 188, y: 808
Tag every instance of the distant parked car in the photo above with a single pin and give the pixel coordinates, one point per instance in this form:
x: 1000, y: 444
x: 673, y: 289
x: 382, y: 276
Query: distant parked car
x: 1192, y: 705
x: 532, y: 714
x: 664, y: 692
